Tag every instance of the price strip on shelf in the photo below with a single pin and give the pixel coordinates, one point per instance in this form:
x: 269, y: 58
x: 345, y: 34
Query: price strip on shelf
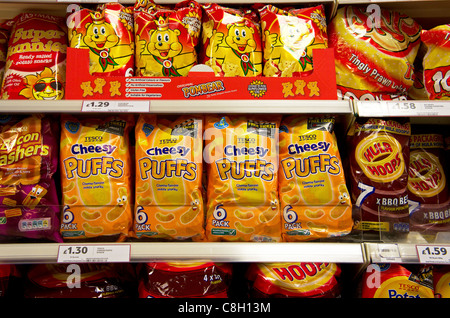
x: 94, y: 253
x: 403, y: 108
x: 434, y: 254
x: 389, y: 253
x: 120, y: 106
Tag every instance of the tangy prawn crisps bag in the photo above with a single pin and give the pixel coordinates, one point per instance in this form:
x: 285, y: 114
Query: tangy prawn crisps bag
x: 289, y: 37
x: 315, y: 202
x: 436, y: 62
x: 107, y: 32
x: 36, y: 60
x: 373, y: 55
x: 29, y: 206
x: 166, y: 38
x: 96, y: 172
x: 231, y: 41
x: 242, y: 191
x: 169, y: 199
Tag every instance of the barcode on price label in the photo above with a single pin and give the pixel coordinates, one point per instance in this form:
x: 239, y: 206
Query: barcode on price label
x: 119, y: 106
x: 433, y: 254
x: 389, y: 253
x: 94, y: 253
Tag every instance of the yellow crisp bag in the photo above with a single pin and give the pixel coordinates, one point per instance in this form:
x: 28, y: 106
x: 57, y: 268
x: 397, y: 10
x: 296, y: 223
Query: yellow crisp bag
x: 169, y: 200
x: 241, y: 158
x: 96, y: 176
x: 315, y: 202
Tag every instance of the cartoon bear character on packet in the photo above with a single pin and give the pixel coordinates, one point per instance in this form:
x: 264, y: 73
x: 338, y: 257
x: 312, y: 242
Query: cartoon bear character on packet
x: 105, y: 52
x: 164, y: 55
x: 237, y: 51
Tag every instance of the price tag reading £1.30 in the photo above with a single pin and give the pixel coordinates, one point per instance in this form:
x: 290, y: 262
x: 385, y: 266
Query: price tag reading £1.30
x: 433, y: 254
x: 94, y: 253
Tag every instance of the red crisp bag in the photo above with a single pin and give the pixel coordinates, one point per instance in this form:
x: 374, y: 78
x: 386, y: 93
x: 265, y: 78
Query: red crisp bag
x: 166, y: 38
x: 184, y: 280
x: 36, y: 60
x: 107, y: 33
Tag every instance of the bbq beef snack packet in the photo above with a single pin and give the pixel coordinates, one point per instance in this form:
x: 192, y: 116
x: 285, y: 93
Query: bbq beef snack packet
x: 427, y: 184
x: 294, y: 280
x: 379, y: 160
x: 289, y: 38
x: 169, y: 193
x: 315, y: 202
x: 36, y: 60
x: 166, y: 38
x: 107, y: 32
x: 373, y: 56
x: 29, y: 206
x: 184, y: 280
x: 231, y: 41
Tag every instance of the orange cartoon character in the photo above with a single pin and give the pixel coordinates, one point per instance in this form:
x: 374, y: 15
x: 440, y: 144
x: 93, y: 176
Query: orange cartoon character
x: 45, y: 85
x: 34, y: 196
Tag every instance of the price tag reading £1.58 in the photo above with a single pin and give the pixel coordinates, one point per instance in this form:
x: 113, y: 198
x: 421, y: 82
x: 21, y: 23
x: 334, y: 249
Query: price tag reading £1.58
x: 433, y: 254
x: 94, y: 253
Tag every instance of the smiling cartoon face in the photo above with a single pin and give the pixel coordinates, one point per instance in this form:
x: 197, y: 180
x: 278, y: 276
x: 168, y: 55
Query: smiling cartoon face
x: 296, y: 34
x: 164, y: 43
x: 240, y: 38
x: 43, y: 86
x: 100, y: 35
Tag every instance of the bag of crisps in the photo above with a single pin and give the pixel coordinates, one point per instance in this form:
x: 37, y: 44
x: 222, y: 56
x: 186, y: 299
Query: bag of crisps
x: 242, y: 168
x: 107, y: 32
x: 36, y: 60
x: 427, y: 184
x: 29, y: 206
x: 294, y: 280
x: 397, y: 281
x: 289, y: 38
x: 374, y: 54
x: 441, y: 281
x: 379, y: 161
x: 184, y: 280
x: 315, y: 202
x: 166, y: 38
x: 436, y: 62
x: 96, y: 176
x: 231, y: 41
x: 169, y: 198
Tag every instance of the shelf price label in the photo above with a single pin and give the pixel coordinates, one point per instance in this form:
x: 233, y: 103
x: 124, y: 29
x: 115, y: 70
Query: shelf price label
x: 403, y: 108
x: 433, y: 254
x: 94, y: 253
x: 119, y: 106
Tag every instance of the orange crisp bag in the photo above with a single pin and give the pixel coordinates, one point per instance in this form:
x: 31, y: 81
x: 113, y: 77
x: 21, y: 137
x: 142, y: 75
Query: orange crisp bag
x: 315, y: 202
x: 241, y: 157
x: 96, y: 176
x: 169, y: 199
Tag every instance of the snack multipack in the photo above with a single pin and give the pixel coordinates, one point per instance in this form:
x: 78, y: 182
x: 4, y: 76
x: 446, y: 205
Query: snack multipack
x: 96, y: 176
x: 169, y: 169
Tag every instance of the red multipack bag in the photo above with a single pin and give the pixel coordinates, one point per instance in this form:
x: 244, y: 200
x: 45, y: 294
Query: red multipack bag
x: 184, y: 280
x: 36, y: 58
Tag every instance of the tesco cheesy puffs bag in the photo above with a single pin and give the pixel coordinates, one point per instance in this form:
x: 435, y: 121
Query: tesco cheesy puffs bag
x: 169, y: 199
x: 96, y: 172
x: 242, y: 190
x: 315, y: 202
x: 373, y: 56
x: 107, y: 32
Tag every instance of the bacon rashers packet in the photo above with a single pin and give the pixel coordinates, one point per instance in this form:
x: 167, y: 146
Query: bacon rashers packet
x: 36, y: 58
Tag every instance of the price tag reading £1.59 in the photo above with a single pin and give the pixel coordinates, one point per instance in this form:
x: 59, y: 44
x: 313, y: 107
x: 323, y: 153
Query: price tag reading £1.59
x: 94, y: 253
x: 433, y: 254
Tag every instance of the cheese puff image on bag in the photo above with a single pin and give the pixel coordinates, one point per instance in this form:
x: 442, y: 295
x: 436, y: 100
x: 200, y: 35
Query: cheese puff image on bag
x: 373, y: 56
x: 231, y: 41
x: 289, y: 37
x: 166, y: 38
x: 436, y: 62
x: 242, y: 169
x: 107, y: 32
x: 36, y: 59
x: 169, y: 198
x: 96, y: 172
x: 29, y: 205
x: 315, y: 202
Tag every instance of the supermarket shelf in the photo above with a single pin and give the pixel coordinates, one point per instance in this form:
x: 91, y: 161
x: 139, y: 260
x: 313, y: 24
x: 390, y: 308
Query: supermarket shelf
x: 27, y: 253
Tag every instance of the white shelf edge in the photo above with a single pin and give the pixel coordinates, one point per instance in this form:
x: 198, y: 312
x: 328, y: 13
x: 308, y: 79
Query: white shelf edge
x: 28, y: 253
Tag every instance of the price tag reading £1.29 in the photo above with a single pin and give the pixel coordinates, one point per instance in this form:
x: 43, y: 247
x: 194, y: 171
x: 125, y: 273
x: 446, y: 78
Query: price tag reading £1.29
x: 120, y: 106
x: 433, y: 254
x: 94, y: 253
